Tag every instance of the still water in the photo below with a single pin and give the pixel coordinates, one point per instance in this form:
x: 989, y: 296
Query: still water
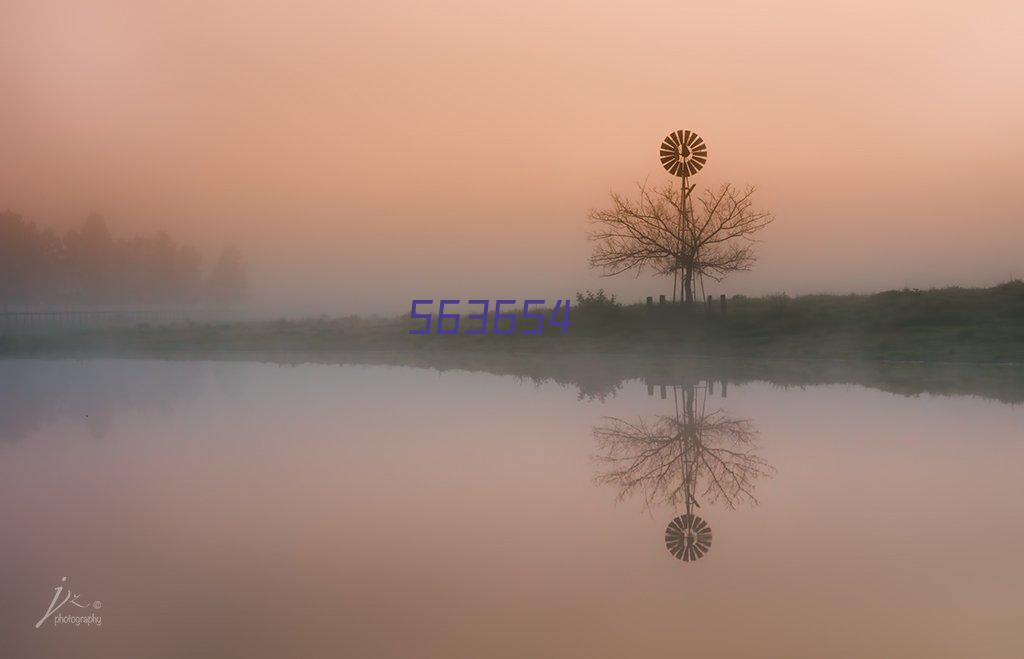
x: 229, y: 509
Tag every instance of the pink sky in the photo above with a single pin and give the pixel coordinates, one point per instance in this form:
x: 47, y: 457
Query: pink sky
x: 365, y: 153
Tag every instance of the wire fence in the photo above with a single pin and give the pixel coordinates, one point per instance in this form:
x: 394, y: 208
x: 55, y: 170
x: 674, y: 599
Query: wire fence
x: 56, y: 321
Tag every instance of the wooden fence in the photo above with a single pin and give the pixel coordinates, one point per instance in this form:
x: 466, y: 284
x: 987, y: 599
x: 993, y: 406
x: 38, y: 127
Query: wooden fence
x: 663, y: 304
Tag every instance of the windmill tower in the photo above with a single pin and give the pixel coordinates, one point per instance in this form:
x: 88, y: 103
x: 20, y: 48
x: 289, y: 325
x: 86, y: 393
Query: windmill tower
x: 683, y: 154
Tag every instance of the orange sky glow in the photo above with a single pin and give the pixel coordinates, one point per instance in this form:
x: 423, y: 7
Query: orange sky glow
x: 364, y: 153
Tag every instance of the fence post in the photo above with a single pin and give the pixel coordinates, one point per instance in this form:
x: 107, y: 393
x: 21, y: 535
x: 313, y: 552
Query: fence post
x: 722, y: 300
x: 710, y: 308
x: 664, y: 393
x: 650, y: 304
x: 661, y: 300
x: 650, y: 387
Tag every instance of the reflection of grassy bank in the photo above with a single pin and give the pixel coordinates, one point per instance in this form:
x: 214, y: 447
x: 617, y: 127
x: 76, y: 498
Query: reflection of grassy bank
x: 947, y: 325
x: 600, y: 375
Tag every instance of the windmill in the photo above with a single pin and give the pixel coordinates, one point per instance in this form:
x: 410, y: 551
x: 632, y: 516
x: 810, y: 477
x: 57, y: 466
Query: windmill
x: 680, y: 460
x: 683, y: 154
x: 688, y: 537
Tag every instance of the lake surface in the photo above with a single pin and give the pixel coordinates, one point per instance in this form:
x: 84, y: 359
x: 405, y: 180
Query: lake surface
x: 228, y: 509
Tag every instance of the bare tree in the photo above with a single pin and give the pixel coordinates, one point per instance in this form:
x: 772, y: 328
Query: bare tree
x: 674, y: 460
x: 656, y: 230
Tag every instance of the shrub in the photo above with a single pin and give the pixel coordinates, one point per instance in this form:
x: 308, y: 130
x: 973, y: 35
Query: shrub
x: 599, y: 301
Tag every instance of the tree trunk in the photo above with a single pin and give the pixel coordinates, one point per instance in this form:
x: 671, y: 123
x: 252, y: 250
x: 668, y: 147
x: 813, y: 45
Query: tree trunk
x: 688, y: 286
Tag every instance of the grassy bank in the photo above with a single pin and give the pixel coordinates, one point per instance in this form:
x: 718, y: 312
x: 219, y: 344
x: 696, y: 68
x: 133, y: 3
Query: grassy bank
x: 940, y: 325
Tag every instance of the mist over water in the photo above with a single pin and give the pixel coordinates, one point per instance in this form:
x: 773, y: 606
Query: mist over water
x: 395, y: 511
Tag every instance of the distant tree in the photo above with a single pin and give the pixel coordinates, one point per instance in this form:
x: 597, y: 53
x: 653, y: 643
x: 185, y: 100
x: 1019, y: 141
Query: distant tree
x: 714, y: 238
x: 226, y: 283
x: 188, y: 271
x: 21, y: 252
x: 30, y: 261
x: 165, y: 271
x: 88, y: 265
x: 92, y: 262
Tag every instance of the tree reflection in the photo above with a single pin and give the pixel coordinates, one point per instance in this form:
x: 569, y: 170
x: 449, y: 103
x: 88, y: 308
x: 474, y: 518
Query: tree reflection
x: 696, y: 454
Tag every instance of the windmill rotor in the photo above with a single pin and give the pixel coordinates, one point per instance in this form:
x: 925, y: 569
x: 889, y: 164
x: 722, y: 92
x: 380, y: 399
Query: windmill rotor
x: 688, y: 537
x: 683, y: 153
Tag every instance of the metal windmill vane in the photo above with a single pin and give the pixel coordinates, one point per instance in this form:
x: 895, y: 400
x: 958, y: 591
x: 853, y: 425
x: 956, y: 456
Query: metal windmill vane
x: 683, y: 153
x: 688, y: 537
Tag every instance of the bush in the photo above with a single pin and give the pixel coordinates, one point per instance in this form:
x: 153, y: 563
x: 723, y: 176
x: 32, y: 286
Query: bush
x: 599, y: 301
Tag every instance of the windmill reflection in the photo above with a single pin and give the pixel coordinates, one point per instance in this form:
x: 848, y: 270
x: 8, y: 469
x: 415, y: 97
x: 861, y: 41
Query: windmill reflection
x: 696, y: 454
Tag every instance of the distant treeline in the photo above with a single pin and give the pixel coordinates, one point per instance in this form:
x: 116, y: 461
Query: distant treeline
x: 87, y: 265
